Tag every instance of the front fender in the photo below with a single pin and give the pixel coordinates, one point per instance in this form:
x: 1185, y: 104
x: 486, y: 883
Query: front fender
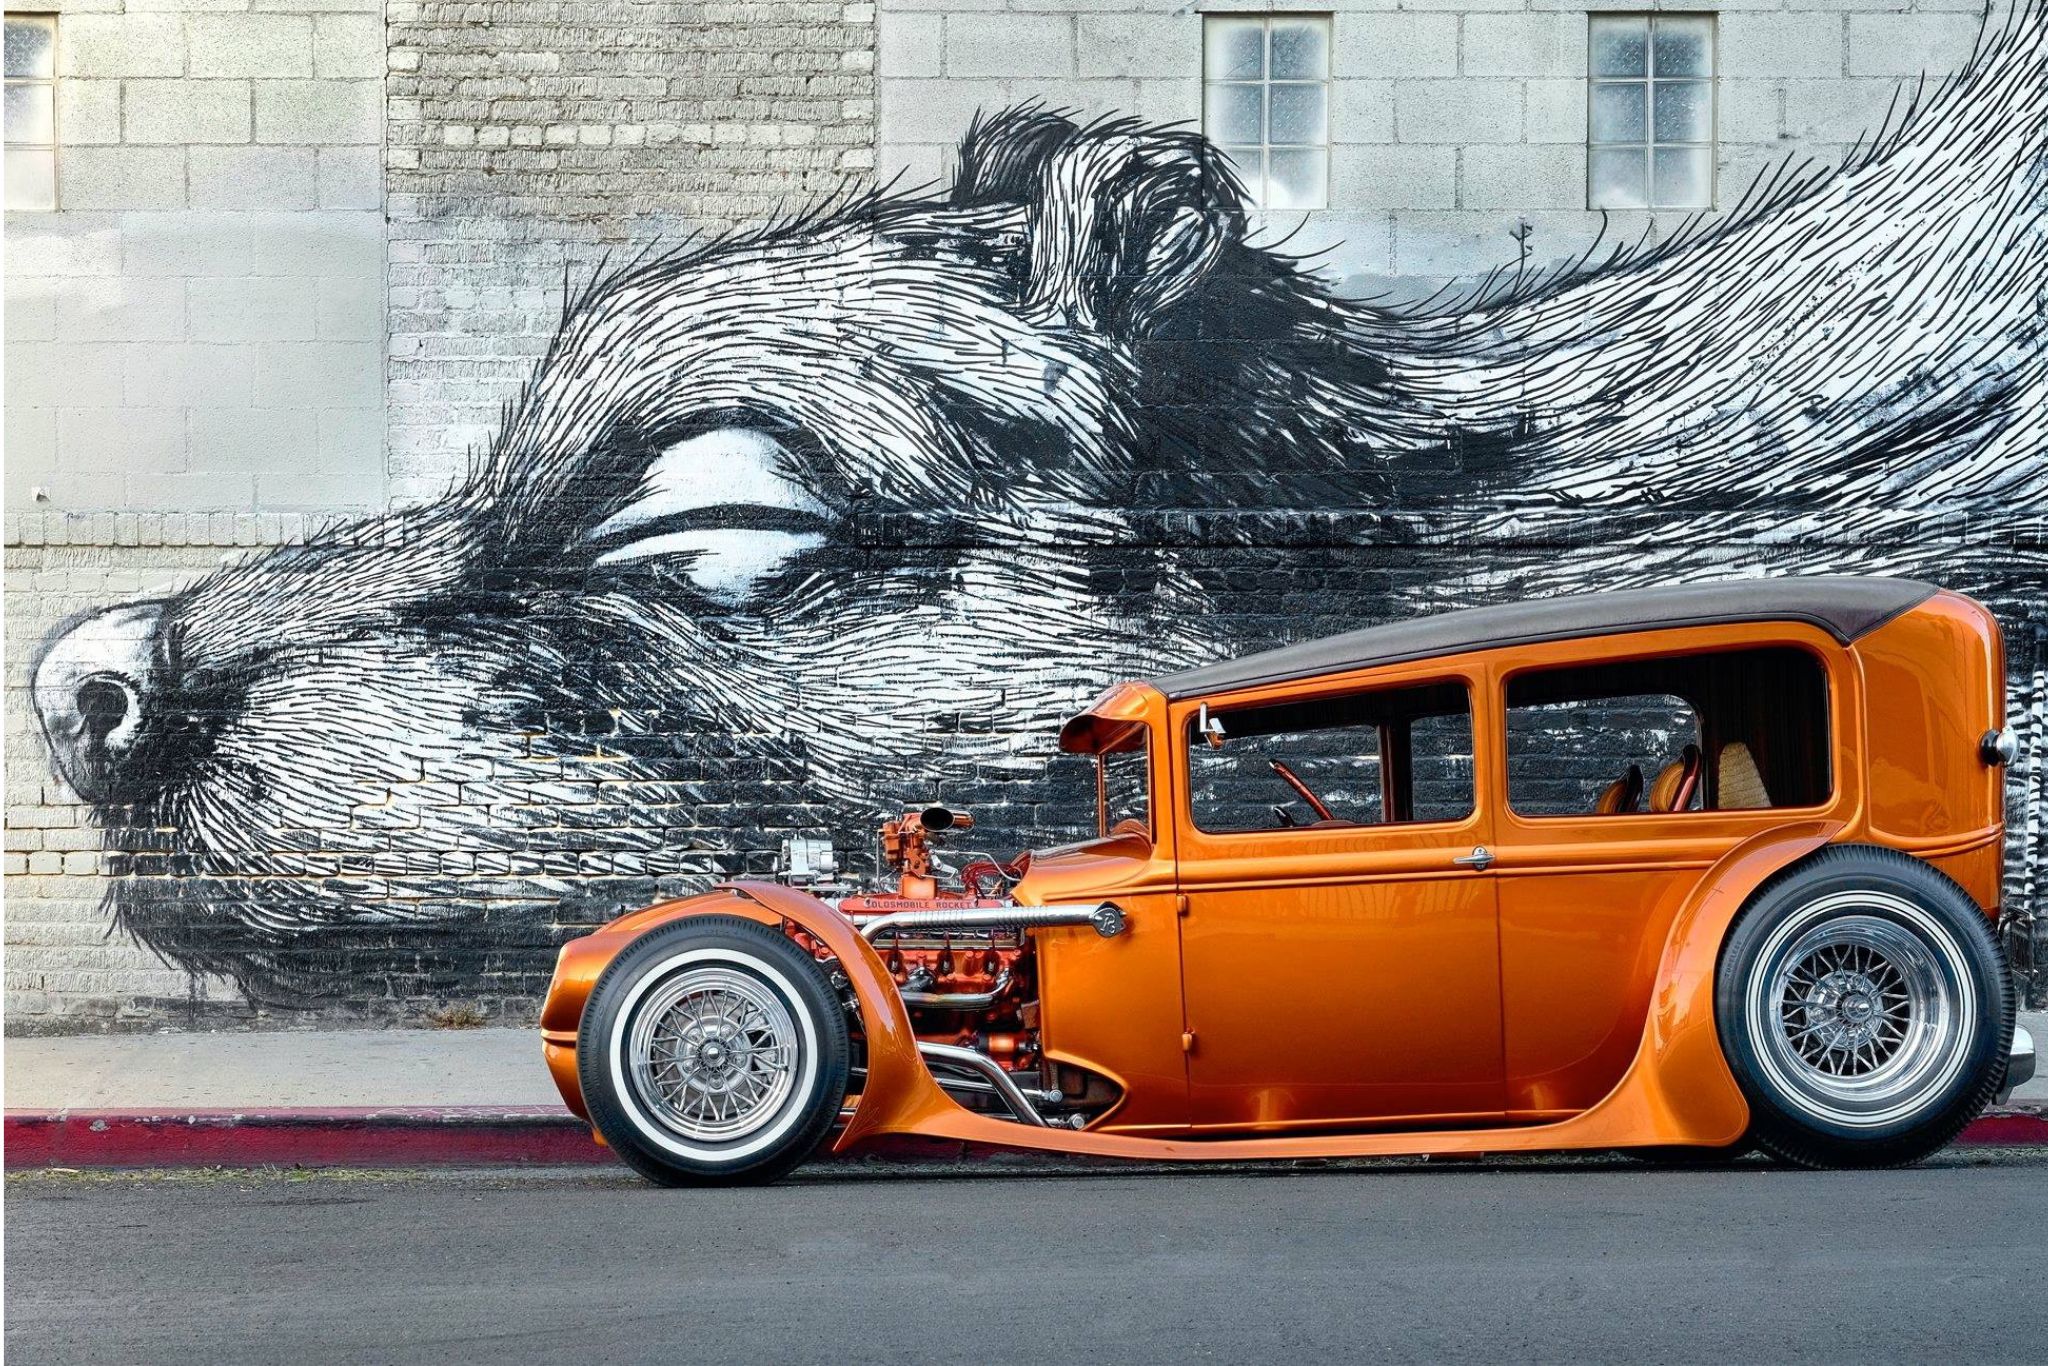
x: 899, y: 1089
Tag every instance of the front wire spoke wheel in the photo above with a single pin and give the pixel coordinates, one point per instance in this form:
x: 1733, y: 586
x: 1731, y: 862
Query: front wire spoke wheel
x: 713, y: 1053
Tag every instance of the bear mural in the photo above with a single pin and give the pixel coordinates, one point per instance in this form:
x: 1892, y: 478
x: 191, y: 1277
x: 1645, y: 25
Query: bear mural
x: 792, y: 527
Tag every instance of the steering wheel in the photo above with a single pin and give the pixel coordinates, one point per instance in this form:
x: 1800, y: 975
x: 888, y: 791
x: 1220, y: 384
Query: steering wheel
x: 1301, y: 789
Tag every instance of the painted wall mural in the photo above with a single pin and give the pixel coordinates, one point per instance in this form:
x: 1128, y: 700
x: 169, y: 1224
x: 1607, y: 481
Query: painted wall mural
x: 790, y: 527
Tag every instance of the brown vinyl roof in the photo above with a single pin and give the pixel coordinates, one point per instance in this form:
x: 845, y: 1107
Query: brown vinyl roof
x: 1844, y: 607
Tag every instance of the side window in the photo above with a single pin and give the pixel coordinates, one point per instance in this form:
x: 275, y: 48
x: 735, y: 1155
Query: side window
x: 1565, y: 756
x: 1370, y: 758
x: 1724, y: 731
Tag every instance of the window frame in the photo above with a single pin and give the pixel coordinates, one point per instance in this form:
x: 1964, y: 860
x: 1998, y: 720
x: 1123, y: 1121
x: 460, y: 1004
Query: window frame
x: 1187, y: 741
x: 1648, y: 81
x: 1834, y: 712
x: 1116, y: 745
x: 1259, y: 187
x: 49, y: 19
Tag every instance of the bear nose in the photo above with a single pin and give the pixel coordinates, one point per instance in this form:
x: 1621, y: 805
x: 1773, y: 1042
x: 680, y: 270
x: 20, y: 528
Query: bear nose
x: 91, y: 689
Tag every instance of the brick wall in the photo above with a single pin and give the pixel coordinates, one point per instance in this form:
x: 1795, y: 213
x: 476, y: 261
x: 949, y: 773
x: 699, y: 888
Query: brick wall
x: 1451, y: 123
x: 527, y: 143
x: 65, y: 967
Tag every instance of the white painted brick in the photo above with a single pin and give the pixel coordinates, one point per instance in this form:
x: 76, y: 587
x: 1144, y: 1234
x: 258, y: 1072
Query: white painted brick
x: 1361, y: 111
x: 117, y: 310
x: 50, y: 374
x: 89, y: 112
x: 251, y: 440
x: 909, y: 44
x: 352, y: 309
x: 1390, y: 176
x: 66, y: 245
x: 31, y: 308
x: 349, y: 45
x: 311, y: 244
x: 1539, y: 177
x: 1909, y: 44
x: 321, y: 112
x: 121, y: 178
x: 1752, y: 45
x: 197, y: 243
x: 31, y: 437
x: 318, y: 492
x: 1554, y: 111
x: 185, y: 111
x: 1458, y: 111
x: 252, y: 178
x: 122, y: 45
x: 322, y: 374
x: 201, y: 490
x: 116, y: 440
x: 934, y: 112
x: 1749, y: 111
x: 1164, y: 45
x: 1169, y: 101
x: 270, y: 46
x: 351, y: 178
x: 258, y: 309
x: 1009, y: 46
x: 191, y: 374
x: 1404, y: 45
x: 351, y: 439
x: 1837, y: 111
x: 1531, y: 45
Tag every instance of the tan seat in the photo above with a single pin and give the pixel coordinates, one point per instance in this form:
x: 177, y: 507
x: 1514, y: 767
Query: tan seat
x: 1738, y: 785
x: 1620, y: 796
x: 1673, y: 787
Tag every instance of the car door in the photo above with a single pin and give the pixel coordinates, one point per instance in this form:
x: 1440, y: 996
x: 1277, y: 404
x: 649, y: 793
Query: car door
x: 1589, y: 889
x: 1341, y: 971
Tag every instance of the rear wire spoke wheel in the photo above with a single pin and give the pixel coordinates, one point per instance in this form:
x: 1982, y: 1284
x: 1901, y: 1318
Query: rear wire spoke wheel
x: 1865, y: 1008
x: 713, y: 1051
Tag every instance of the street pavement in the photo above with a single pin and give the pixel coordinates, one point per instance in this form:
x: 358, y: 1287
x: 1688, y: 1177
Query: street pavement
x: 1589, y: 1259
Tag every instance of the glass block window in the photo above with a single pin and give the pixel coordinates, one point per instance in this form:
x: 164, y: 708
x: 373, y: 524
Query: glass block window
x: 1266, y: 103
x: 31, y: 111
x: 1650, y: 112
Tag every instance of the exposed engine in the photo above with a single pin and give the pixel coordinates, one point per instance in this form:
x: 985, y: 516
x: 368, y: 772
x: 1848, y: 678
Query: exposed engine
x: 964, y: 963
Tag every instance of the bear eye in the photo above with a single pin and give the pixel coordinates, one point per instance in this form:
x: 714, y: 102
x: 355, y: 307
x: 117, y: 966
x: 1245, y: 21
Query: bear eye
x: 728, y: 507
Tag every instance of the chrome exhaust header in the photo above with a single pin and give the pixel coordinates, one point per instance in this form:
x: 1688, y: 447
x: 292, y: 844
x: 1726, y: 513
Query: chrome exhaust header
x: 1106, y: 917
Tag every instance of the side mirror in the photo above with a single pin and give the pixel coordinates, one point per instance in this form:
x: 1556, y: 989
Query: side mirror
x: 1211, y: 727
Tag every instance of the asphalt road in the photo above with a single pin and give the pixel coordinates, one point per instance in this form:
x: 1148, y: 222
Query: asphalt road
x: 1589, y: 1260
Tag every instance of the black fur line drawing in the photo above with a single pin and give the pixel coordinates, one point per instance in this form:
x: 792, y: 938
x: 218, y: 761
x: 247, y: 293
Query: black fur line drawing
x: 796, y: 524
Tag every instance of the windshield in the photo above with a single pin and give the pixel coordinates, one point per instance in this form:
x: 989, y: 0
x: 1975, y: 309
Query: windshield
x: 1123, y: 784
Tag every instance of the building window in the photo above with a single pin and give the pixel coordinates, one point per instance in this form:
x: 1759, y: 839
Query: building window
x: 1266, y: 103
x: 31, y: 111
x: 1650, y: 115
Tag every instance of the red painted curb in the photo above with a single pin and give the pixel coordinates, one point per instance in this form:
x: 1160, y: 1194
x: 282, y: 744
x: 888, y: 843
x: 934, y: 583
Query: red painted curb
x: 474, y: 1136
x: 396, y: 1137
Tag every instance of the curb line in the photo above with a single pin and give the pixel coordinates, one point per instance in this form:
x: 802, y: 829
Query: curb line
x: 476, y: 1136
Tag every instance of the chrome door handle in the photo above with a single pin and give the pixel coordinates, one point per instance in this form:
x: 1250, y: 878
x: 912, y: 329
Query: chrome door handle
x: 1481, y: 858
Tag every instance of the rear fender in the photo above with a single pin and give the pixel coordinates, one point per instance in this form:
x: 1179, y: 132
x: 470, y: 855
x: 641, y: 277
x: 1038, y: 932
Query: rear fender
x: 1680, y: 1083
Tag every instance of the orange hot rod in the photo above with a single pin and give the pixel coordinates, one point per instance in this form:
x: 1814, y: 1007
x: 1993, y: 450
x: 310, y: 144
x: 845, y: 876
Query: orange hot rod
x: 1697, y: 868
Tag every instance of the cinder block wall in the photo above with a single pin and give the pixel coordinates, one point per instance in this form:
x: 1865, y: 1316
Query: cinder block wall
x: 200, y: 325
x: 1451, y: 123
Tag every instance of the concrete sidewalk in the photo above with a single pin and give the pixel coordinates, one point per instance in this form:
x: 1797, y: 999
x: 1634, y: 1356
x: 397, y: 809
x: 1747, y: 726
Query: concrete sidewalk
x: 375, y: 1097
x: 280, y: 1070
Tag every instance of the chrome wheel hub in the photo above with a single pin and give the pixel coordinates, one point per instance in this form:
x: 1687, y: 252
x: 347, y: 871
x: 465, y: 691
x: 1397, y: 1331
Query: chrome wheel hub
x: 713, y: 1054
x: 1845, y: 1009
x: 1861, y: 1008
